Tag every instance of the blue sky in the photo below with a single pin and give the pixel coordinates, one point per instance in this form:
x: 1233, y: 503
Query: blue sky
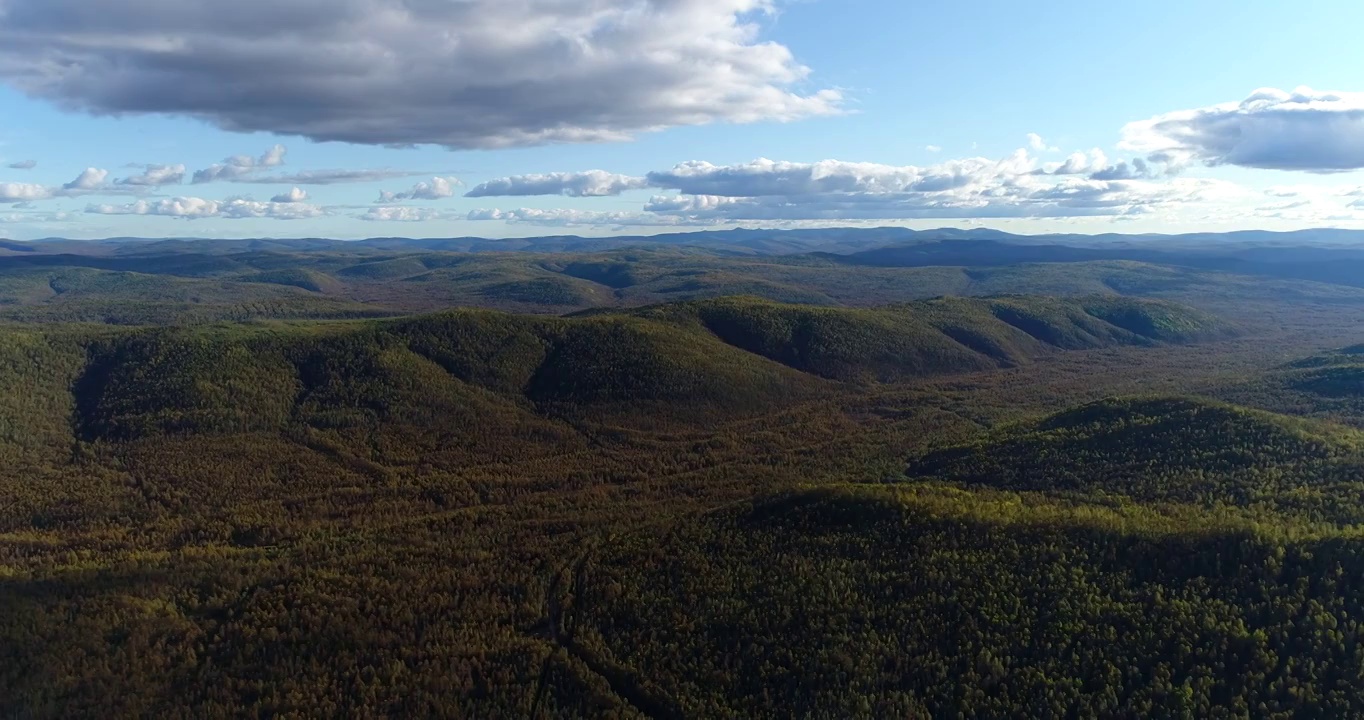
x: 1197, y: 115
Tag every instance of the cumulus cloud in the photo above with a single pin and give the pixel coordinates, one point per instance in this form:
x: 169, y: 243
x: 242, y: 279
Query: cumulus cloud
x: 89, y: 179
x: 438, y: 189
x: 193, y: 208
x: 23, y: 192
x: 248, y: 169
x: 23, y: 165
x: 933, y: 148
x: 468, y: 74
x: 1078, y: 163
x: 1306, y: 130
x: 1037, y: 144
x: 296, y: 195
x: 36, y: 218
x: 764, y: 177
x: 156, y: 176
x: 400, y: 213
x: 570, y: 217
x: 1073, y: 197
x: 832, y: 190
x: 1125, y: 170
x: 238, y: 167
x: 592, y: 183
x: 324, y: 177
x: 769, y: 191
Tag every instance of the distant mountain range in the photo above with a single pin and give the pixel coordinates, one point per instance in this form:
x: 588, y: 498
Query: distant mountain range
x: 843, y: 241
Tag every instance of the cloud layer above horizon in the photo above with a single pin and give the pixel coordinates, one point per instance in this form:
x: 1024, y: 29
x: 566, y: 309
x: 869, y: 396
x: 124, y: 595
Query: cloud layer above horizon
x: 1309, y: 130
x: 1165, y: 173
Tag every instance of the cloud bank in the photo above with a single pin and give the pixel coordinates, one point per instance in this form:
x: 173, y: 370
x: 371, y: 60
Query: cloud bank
x: 325, y: 177
x: 399, y: 213
x: 768, y: 191
x: 568, y: 217
x: 296, y: 195
x: 466, y: 74
x: 91, y: 181
x: 1306, y: 130
x: 591, y: 183
x: 438, y: 189
x: 23, y: 192
x: 239, y: 167
x: 193, y: 208
x: 156, y: 176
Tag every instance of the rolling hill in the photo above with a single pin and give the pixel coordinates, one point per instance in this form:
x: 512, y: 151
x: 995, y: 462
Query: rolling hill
x: 1164, y: 450
x: 937, y: 337
x: 169, y: 282
x: 1329, y: 385
x: 687, y: 509
x: 728, y: 356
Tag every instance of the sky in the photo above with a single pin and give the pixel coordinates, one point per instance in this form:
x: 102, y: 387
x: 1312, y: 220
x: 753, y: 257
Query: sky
x: 499, y: 118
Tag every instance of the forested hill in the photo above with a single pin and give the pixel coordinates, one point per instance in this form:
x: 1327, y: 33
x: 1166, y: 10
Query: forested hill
x: 728, y: 357
x: 176, y: 282
x: 722, y: 507
x: 1328, y: 385
x: 930, y: 602
x: 936, y: 337
x: 758, y: 241
x: 1170, y: 449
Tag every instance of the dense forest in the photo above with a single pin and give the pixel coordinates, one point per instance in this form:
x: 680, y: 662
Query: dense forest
x: 674, y: 481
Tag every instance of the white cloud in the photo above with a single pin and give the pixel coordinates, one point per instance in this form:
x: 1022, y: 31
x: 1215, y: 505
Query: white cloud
x: 438, y: 189
x: 933, y: 148
x: 1078, y: 164
x: 1124, y: 170
x: 767, y: 177
x: 248, y: 169
x: 296, y: 195
x: 831, y: 191
x: 467, y: 74
x: 193, y: 208
x: 325, y: 177
x: 156, y: 176
x: 1037, y: 144
x: 89, y: 179
x: 399, y: 213
x: 569, y: 217
x: 592, y: 183
x: 238, y: 167
x: 968, y: 188
x: 1306, y: 129
x: 23, y: 192
x: 764, y: 177
x: 36, y: 218
x: 23, y: 165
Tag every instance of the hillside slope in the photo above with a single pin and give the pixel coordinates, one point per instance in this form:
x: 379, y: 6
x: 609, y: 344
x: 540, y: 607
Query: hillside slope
x: 168, y: 280
x: 721, y: 358
x: 1163, y: 449
x: 937, y: 337
x: 937, y: 603
x: 1328, y: 385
